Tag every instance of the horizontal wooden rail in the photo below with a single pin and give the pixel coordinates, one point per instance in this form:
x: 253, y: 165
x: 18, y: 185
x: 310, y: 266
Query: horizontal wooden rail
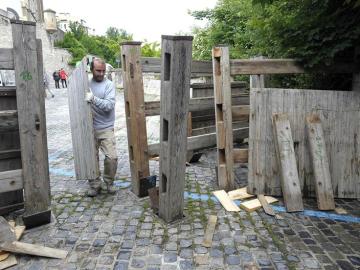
x: 152, y: 64
x: 6, y: 59
x: 11, y: 180
x: 201, y: 141
x: 9, y: 154
x: 8, y: 120
x: 240, y: 155
x: 282, y: 66
x: 7, y: 91
x: 212, y: 129
x: 195, y: 104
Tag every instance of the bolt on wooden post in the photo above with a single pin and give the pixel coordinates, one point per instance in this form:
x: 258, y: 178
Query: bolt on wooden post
x: 175, y: 92
x: 135, y: 115
x: 223, y: 116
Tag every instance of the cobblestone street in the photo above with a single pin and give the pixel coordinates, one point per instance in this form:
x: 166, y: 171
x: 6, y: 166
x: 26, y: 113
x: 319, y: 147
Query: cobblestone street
x: 121, y: 232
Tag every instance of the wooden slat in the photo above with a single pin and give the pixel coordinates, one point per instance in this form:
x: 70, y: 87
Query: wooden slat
x: 210, y: 229
x: 10, y: 154
x: 31, y: 117
x: 8, y: 121
x: 225, y: 201
x: 287, y: 163
x: 135, y: 116
x: 11, y: 180
x: 11, y: 261
x: 7, y: 91
x: 36, y: 250
x: 175, y: 93
x: 200, y: 104
x: 240, y: 155
x: 320, y: 163
x: 240, y: 113
x: 223, y: 115
x: 6, y: 59
x: 281, y: 66
x: 239, y: 194
x: 255, y: 204
x: 267, y: 208
x: 201, y: 141
x: 81, y: 122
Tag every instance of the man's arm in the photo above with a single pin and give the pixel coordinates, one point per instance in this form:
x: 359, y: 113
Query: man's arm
x: 108, y: 102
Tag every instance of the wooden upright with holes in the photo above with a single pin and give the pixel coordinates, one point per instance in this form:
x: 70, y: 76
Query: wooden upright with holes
x: 175, y: 92
x: 135, y: 113
x: 223, y: 116
x: 32, y: 123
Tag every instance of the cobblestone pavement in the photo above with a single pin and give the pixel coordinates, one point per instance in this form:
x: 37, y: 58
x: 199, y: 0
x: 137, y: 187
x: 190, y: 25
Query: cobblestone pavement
x: 121, y: 232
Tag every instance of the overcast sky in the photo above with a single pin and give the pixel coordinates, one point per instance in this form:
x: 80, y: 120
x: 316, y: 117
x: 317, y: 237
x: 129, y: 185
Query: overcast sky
x: 144, y: 19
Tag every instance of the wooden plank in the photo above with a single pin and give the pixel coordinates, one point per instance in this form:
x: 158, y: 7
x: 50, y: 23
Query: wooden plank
x: 31, y: 249
x: 267, y: 208
x: 255, y: 204
x: 11, y: 261
x: 175, y: 93
x: 11, y: 180
x: 240, y: 101
x: 201, y: 141
x: 7, y: 91
x: 240, y: 194
x: 6, y: 58
x: 10, y: 154
x: 240, y: 113
x: 320, y: 163
x: 135, y: 115
x: 209, y: 232
x: 240, y: 155
x: 223, y: 114
x: 31, y: 117
x: 225, y: 201
x: 287, y: 163
x: 281, y: 66
x: 82, y: 131
x: 8, y: 121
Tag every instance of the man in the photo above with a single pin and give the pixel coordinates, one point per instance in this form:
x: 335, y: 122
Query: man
x: 63, y: 76
x: 56, y: 77
x: 102, y: 99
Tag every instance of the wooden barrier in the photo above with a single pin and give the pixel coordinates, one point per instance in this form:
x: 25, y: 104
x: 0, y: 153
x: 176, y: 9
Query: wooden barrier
x: 24, y: 136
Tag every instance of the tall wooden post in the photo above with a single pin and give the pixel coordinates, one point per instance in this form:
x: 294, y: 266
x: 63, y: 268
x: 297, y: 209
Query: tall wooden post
x: 175, y: 92
x: 135, y: 114
x: 223, y: 117
x: 32, y: 124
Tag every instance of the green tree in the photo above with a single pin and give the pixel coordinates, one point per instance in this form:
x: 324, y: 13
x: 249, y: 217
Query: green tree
x: 151, y: 49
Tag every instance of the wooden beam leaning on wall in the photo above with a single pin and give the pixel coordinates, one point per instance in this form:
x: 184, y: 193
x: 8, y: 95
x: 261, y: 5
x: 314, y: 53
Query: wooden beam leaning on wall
x: 223, y: 116
x: 320, y: 163
x: 31, y: 117
x: 175, y: 92
x: 285, y: 153
x: 135, y: 115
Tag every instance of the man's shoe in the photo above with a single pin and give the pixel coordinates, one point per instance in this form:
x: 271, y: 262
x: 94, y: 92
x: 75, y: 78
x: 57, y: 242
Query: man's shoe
x: 93, y: 192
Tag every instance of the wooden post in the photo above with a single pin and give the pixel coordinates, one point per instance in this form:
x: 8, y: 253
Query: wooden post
x: 320, y: 163
x: 356, y: 74
x: 284, y: 146
x: 32, y: 124
x: 223, y: 116
x: 175, y: 92
x: 135, y: 115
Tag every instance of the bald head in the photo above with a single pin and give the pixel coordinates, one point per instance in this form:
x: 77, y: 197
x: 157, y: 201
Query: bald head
x: 98, y: 69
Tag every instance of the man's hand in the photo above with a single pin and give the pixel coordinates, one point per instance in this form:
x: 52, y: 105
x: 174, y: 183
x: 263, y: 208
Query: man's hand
x: 89, y: 97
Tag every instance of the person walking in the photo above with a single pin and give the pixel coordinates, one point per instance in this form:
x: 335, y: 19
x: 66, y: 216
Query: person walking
x: 102, y: 99
x: 56, y: 77
x: 63, y: 77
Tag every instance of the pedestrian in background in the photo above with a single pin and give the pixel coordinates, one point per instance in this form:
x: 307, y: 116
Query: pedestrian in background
x: 56, y: 77
x: 63, y: 77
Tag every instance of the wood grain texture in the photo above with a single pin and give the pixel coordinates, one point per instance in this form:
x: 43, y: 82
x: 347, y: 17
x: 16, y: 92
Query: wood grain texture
x: 223, y: 115
x: 31, y: 249
x: 175, y: 93
x: 135, y: 115
x: 338, y: 111
x: 81, y: 122
x: 31, y: 118
x: 8, y: 121
x: 240, y: 194
x: 210, y: 229
x: 284, y: 145
x: 254, y: 204
x: 6, y: 58
x: 11, y: 180
x: 320, y: 163
x: 265, y: 205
